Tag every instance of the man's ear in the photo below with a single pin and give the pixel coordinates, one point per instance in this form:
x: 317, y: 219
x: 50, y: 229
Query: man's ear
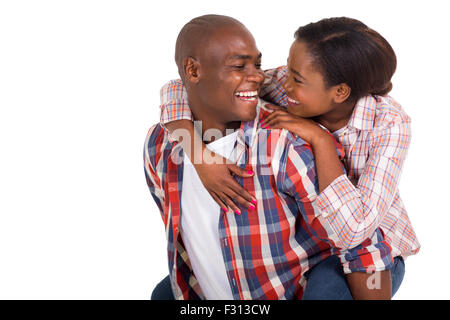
x: 341, y: 92
x: 191, y: 70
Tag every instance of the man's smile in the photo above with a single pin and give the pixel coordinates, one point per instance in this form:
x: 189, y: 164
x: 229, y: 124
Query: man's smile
x: 247, y: 95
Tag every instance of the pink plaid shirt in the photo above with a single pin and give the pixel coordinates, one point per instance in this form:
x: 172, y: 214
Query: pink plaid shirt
x: 375, y: 140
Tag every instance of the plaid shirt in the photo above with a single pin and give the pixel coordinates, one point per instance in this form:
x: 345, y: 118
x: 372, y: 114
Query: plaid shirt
x: 375, y: 141
x: 267, y: 252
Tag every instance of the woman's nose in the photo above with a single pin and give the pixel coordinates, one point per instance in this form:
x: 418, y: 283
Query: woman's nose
x: 286, y: 85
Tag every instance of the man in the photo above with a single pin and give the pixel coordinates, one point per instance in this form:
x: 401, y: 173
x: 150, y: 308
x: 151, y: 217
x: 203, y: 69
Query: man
x: 258, y: 253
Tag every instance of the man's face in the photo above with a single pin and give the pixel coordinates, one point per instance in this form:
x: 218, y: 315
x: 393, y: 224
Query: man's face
x: 231, y: 75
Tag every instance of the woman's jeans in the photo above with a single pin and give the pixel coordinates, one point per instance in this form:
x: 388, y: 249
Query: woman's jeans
x: 326, y: 281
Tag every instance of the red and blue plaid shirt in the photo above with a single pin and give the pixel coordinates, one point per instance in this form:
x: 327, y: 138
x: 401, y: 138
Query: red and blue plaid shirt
x: 267, y: 251
x: 375, y: 140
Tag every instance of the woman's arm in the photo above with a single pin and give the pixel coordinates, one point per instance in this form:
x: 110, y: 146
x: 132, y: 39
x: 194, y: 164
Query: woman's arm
x: 360, y: 209
x: 354, y: 212
x: 272, y: 89
x: 327, y: 162
x: 216, y: 177
x: 367, y: 260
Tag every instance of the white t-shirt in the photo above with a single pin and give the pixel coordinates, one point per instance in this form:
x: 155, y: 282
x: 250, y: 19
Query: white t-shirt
x: 200, y: 227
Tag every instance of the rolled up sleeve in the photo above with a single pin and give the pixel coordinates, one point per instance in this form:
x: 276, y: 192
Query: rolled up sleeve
x: 174, y: 102
x: 355, y: 212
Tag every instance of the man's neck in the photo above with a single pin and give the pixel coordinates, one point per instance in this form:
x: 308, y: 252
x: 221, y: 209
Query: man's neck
x: 212, y: 130
x: 208, y: 125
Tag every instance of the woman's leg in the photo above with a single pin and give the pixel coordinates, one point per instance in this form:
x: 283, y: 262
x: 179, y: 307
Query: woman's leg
x: 163, y: 290
x: 326, y: 281
x: 397, y: 273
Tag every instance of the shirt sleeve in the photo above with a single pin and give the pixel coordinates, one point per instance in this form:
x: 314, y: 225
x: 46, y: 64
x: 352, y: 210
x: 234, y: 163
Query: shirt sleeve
x: 174, y: 102
x: 300, y: 181
x: 272, y: 89
x: 373, y: 254
x: 355, y: 212
x: 151, y: 173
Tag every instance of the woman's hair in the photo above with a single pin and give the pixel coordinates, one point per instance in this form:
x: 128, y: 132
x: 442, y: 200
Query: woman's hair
x: 347, y: 51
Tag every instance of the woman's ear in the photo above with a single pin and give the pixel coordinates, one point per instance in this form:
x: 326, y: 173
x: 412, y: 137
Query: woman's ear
x: 341, y: 93
x: 192, y: 70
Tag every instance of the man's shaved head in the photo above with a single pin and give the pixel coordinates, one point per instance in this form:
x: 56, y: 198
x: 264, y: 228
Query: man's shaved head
x: 196, y: 34
x: 220, y: 66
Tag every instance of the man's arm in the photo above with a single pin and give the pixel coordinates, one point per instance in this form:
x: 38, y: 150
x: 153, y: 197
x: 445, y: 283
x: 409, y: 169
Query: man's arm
x: 152, y: 152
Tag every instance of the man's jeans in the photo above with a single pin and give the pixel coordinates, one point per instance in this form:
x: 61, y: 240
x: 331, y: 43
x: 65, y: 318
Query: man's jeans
x: 326, y: 281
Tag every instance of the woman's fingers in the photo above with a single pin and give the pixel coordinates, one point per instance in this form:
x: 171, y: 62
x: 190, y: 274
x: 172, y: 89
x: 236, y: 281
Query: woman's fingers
x: 218, y: 180
x: 239, y: 171
x: 241, y: 196
x: 231, y: 198
x: 219, y: 201
x: 273, y: 107
x: 275, y: 116
x: 247, y: 199
x: 231, y: 204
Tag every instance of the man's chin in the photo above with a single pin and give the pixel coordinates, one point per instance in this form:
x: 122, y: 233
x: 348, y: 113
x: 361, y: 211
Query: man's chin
x: 246, y: 110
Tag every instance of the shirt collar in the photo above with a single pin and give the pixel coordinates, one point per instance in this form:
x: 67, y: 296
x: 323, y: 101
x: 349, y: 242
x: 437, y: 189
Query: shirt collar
x: 245, y: 138
x: 363, y: 115
x: 248, y: 130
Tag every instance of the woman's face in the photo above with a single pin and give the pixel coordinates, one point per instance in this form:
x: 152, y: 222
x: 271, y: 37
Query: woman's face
x: 307, y: 94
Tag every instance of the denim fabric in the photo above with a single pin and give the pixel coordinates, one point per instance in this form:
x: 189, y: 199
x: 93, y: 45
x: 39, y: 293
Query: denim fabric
x: 326, y: 281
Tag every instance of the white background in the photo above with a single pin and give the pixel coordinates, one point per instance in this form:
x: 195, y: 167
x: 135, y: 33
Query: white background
x: 79, y: 87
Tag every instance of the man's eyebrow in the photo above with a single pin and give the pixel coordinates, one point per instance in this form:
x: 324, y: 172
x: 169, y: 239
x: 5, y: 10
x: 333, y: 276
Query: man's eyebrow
x: 244, y: 56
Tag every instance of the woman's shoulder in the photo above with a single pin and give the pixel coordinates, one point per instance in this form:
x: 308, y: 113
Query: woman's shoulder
x: 388, y: 112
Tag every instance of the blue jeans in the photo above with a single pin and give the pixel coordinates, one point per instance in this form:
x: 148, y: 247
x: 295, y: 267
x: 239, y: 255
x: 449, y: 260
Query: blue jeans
x: 326, y: 281
x: 163, y: 290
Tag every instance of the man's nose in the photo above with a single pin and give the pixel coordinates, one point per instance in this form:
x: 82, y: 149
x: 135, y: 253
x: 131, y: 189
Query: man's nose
x: 256, y: 75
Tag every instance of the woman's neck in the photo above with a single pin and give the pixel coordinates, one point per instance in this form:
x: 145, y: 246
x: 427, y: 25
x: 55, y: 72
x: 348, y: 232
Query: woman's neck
x: 338, y: 117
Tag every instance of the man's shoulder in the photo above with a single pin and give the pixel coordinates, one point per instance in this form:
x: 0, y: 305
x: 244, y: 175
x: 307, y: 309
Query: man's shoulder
x: 156, y: 142
x: 154, y: 134
x: 286, y: 140
x: 299, y: 149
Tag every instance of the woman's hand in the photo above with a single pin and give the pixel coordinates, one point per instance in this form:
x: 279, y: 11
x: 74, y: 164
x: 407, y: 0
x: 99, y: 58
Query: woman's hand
x: 215, y: 175
x: 327, y: 161
x: 217, y: 179
x: 306, y: 129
